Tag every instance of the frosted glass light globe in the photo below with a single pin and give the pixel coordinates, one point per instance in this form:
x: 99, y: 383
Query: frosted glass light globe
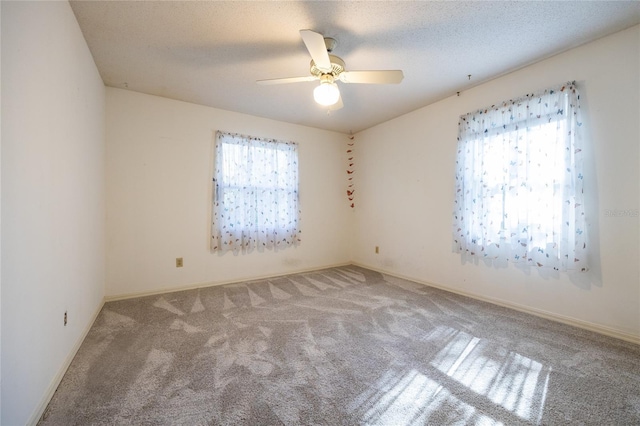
x: 326, y: 94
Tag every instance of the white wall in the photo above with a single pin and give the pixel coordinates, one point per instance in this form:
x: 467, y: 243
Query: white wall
x: 405, y: 179
x: 53, y: 211
x: 159, y: 188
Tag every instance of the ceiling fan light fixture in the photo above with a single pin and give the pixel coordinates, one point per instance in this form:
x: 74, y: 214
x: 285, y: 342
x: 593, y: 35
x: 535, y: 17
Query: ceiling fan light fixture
x: 327, y: 93
x: 329, y: 68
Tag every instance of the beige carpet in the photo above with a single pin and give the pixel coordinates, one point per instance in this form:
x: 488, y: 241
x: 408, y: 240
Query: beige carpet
x: 342, y: 346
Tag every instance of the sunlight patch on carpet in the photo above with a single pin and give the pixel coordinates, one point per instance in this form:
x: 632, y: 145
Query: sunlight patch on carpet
x: 511, y: 380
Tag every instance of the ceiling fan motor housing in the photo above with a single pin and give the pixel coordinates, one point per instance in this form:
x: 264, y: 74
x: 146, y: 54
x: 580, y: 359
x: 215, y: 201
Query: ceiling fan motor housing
x: 337, y: 66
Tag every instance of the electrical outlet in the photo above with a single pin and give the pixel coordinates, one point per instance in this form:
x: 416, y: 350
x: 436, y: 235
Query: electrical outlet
x: 377, y: 249
x: 178, y: 262
x: 65, y: 318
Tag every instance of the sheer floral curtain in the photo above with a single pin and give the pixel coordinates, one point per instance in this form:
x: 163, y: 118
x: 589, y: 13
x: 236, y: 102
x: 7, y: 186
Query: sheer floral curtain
x: 519, y: 182
x: 255, y: 203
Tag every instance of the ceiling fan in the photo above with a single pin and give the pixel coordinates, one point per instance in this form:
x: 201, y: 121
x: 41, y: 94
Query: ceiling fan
x: 329, y: 68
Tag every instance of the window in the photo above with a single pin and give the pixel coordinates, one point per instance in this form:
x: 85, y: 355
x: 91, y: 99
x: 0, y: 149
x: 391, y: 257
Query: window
x: 255, y: 194
x: 519, y: 182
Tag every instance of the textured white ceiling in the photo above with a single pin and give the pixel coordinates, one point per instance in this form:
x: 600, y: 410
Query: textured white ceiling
x: 212, y: 53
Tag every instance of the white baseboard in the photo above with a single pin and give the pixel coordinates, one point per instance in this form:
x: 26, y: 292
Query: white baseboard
x: 217, y: 283
x: 55, y: 382
x: 601, y: 329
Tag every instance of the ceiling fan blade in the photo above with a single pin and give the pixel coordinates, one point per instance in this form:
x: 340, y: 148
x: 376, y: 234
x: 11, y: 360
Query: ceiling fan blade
x: 286, y: 80
x: 372, y: 77
x: 317, y: 49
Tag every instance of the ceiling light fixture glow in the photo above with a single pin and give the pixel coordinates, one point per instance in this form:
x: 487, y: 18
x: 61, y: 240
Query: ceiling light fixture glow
x: 327, y: 93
